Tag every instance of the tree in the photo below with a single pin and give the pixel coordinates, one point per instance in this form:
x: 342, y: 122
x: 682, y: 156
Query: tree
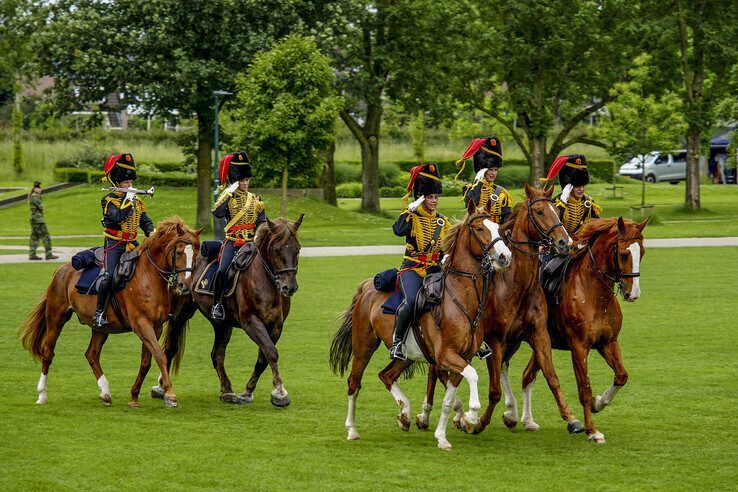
x: 287, y: 104
x: 638, y: 122
x: 539, y: 68
x: 166, y: 56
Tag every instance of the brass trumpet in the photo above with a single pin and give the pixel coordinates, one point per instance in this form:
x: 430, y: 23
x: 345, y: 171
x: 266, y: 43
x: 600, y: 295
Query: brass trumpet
x: 135, y: 191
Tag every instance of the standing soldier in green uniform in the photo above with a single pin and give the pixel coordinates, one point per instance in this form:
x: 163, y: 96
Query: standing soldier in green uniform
x: 38, y: 224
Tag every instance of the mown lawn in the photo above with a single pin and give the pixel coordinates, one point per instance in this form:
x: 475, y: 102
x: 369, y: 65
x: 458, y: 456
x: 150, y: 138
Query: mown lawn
x: 670, y: 428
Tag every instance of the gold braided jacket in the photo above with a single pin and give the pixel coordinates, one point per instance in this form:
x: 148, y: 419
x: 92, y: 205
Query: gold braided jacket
x: 241, y: 200
x: 131, y: 223
x: 486, y: 190
x: 576, y: 212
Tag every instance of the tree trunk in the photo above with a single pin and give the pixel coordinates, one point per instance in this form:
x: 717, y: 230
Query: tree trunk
x: 285, y: 171
x: 368, y: 138
x: 205, y: 174
x: 692, y: 190
x: 17, y: 121
x: 418, y: 136
x: 538, y: 162
x: 328, y: 178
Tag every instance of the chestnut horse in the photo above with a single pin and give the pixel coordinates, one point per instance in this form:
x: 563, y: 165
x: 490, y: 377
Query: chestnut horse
x: 449, y: 336
x: 165, y: 259
x: 589, y: 315
x: 516, y: 309
x: 259, y: 306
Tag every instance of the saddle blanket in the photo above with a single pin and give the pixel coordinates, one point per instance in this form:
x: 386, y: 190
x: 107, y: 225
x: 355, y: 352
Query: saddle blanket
x: 88, y: 280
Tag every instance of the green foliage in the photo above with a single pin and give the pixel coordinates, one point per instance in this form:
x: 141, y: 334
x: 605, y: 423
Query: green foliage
x: 70, y: 175
x: 94, y: 177
x: 88, y: 156
x: 391, y: 191
x: 349, y: 190
x: 17, y: 157
x: 389, y: 173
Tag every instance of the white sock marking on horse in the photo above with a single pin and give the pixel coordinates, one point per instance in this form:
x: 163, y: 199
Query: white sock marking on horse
x: 470, y: 374
x: 401, y: 399
x: 606, y: 399
x: 635, y: 255
x: 425, y: 414
x: 102, y: 383
x: 510, y: 402
x: 41, y: 388
x: 499, y: 247
x: 189, y: 254
x: 528, y: 407
x: 351, y: 417
x: 448, y: 401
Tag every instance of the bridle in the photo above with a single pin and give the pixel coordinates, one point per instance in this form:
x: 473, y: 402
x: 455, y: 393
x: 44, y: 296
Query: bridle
x: 487, y: 259
x: 544, y: 235
x: 170, y: 276
x: 619, y: 275
x: 274, y: 274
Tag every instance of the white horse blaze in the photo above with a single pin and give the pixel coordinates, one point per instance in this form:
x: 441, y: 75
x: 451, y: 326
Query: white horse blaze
x: 635, y: 255
x: 189, y: 254
x: 500, y: 247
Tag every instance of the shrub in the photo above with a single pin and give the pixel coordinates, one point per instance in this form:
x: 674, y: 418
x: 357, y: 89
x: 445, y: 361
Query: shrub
x: 179, y: 180
x: 389, y: 174
x: 170, y: 167
x: 349, y: 190
x: 348, y: 172
x: 392, y: 191
x: 513, y: 176
x: 87, y: 157
x: 70, y: 175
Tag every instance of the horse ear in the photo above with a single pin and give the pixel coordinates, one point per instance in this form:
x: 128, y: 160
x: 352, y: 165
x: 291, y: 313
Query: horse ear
x: 471, y: 206
x: 180, y: 231
x: 548, y: 191
x: 298, y: 222
x: 527, y: 190
x: 198, y: 231
x: 643, y: 224
x: 269, y: 224
x: 621, y: 225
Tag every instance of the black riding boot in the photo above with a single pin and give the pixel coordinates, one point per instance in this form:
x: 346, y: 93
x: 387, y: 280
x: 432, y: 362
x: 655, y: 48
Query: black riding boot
x: 103, y: 292
x: 402, y: 323
x: 218, y: 311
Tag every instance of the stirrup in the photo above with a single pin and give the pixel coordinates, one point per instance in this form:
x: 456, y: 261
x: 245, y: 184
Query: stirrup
x: 484, y: 351
x: 218, y: 311
x: 397, y: 352
x: 99, y: 319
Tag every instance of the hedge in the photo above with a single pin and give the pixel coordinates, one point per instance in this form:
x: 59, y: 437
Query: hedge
x: 74, y: 175
x: 70, y: 175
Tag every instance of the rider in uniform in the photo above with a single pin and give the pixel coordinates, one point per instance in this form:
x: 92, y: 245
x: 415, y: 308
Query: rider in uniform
x: 122, y: 215
x: 244, y: 213
x: 423, y: 229
x: 574, y: 207
x: 486, y: 154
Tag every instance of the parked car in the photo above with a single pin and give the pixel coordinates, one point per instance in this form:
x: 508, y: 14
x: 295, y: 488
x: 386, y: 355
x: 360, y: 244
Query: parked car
x: 670, y: 167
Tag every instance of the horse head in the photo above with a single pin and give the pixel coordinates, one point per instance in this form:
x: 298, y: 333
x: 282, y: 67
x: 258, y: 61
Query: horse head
x: 483, y: 237
x: 543, y: 221
x: 172, y: 250
x: 280, y: 249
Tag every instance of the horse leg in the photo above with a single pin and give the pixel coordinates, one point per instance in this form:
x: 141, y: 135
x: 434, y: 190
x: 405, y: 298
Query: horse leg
x: 529, y: 379
x: 510, y: 416
x: 448, y: 404
x: 389, y: 377
x: 148, y: 335
x: 423, y: 418
x: 217, y: 355
x: 143, y: 369
x: 256, y: 330
x: 259, y: 367
x: 363, y: 352
x: 97, y: 340
x: 456, y: 364
x: 54, y: 324
x: 494, y: 362
x: 540, y: 342
x: 458, y: 406
x: 579, y: 359
x: 611, y: 353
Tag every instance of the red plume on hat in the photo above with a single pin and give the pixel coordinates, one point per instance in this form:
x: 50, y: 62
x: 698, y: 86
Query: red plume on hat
x: 110, y: 163
x: 225, y: 164
x: 554, y: 169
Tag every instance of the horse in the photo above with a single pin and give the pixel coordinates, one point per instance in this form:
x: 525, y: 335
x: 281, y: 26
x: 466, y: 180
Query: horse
x: 164, y: 261
x: 448, y: 334
x: 516, y: 310
x: 259, y: 306
x: 589, y: 316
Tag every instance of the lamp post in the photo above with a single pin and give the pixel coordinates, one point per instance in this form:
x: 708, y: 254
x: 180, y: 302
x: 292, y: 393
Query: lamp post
x: 218, y: 224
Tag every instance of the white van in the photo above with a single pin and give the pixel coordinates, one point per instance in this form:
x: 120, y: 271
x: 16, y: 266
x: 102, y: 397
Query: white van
x: 670, y: 167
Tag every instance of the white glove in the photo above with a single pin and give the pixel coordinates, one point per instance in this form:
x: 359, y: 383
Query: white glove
x: 416, y: 203
x: 444, y: 259
x: 480, y: 174
x: 231, y: 188
x: 130, y: 196
x: 567, y: 191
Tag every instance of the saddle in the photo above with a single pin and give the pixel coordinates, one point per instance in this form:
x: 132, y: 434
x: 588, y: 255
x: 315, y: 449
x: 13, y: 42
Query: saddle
x: 90, y: 261
x: 429, y: 295
x: 241, y: 261
x: 553, y: 275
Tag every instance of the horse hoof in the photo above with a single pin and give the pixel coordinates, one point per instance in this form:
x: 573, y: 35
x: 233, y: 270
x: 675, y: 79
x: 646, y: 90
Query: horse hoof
x: 246, y: 397
x: 403, y: 422
x: 597, y: 405
x: 509, y: 422
x: 445, y: 445
x: 281, y: 401
x: 42, y: 401
x: 170, y: 402
x: 352, y: 435
x: 157, y: 392
x: 531, y: 426
x: 421, y: 423
x: 575, y: 427
x: 597, y: 438
x: 465, y: 426
x: 134, y: 404
x: 230, y: 398
x: 106, y: 400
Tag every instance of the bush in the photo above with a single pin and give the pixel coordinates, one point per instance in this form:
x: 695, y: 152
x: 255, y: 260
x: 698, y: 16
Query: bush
x: 389, y: 174
x: 347, y: 172
x: 513, y: 176
x: 95, y: 177
x: 179, y: 180
x: 349, y: 190
x: 392, y: 191
x: 87, y: 157
x: 170, y: 167
x: 70, y: 175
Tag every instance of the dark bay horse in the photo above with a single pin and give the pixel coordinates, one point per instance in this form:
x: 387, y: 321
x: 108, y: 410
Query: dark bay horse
x: 259, y: 306
x: 516, y: 308
x: 164, y: 264
x: 589, y: 315
x: 448, y: 333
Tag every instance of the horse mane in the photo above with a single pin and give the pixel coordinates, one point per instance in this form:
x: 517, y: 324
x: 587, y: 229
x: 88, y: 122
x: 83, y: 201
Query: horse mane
x: 280, y: 230
x: 595, y: 228
x: 448, y: 243
x: 166, y: 226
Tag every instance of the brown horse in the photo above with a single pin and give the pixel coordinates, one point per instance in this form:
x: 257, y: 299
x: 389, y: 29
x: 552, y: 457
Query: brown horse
x: 449, y: 337
x: 165, y: 259
x: 259, y: 306
x: 589, y: 315
x: 516, y: 309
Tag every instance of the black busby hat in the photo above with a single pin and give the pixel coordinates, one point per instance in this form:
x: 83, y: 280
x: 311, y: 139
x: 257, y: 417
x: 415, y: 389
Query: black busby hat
x: 488, y: 155
x: 119, y: 167
x: 425, y: 179
x: 235, y: 167
x: 574, y: 171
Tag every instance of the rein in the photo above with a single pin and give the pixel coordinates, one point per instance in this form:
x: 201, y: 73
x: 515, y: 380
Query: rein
x: 170, y: 277
x: 619, y: 275
x: 274, y: 274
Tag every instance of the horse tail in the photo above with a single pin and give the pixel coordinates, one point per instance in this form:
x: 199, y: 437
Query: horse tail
x: 341, y: 349
x: 33, y: 329
x: 174, y: 342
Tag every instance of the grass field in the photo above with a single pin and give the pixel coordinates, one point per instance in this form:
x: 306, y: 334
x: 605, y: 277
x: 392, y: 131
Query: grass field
x: 75, y: 212
x: 670, y: 428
